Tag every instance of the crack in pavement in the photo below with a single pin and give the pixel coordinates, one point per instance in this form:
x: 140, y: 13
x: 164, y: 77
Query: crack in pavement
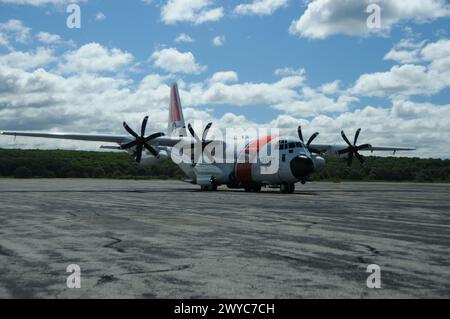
x: 115, y: 242
x: 178, y: 268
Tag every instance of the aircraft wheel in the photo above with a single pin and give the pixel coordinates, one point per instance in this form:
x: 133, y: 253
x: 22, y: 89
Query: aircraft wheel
x: 257, y: 188
x: 205, y: 188
x: 253, y: 188
x: 286, y: 188
x: 291, y: 188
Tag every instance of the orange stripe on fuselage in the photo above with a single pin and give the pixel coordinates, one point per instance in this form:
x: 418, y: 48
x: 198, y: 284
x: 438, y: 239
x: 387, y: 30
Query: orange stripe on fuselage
x: 244, y: 165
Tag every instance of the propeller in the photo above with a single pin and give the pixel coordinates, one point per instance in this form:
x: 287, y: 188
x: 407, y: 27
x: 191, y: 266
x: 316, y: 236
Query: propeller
x: 140, y: 141
x: 353, y: 149
x: 311, y: 149
x: 201, y: 141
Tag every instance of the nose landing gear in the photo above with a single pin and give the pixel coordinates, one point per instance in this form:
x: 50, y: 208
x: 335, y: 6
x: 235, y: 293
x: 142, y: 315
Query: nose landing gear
x: 205, y: 188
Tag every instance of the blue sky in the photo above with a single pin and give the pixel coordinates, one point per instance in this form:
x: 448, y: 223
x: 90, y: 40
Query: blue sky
x: 330, y: 58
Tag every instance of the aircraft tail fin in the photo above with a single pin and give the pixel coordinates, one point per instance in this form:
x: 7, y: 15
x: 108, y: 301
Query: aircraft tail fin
x: 176, y: 124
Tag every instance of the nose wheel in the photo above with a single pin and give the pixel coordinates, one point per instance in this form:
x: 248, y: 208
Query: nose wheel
x: 206, y: 188
x: 286, y: 188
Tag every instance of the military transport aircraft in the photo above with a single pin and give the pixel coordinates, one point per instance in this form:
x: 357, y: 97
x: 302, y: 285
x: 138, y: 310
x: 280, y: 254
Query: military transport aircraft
x: 295, y: 159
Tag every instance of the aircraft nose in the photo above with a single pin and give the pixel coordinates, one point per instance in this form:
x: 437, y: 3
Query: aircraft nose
x: 301, y: 166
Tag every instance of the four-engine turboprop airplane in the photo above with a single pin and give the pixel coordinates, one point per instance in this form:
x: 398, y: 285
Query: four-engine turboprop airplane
x: 295, y: 159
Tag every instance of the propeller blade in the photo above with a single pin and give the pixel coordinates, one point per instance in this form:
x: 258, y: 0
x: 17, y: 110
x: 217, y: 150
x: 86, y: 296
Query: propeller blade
x: 195, y: 156
x: 138, y: 153
x: 360, y: 158
x: 345, y: 138
x: 300, y: 135
x: 191, y: 130
x: 350, y: 159
x: 312, y: 138
x: 128, y: 145
x: 205, y: 132
x: 356, y: 136
x: 151, y: 150
x: 364, y: 147
x: 129, y: 130
x: 345, y: 150
x: 144, y: 126
x: 153, y: 136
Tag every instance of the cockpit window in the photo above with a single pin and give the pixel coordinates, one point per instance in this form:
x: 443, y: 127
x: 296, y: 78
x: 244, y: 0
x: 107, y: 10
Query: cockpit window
x: 283, y: 144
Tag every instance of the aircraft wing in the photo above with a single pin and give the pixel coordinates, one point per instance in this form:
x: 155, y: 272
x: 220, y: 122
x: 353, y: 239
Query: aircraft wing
x: 323, y: 148
x: 119, y: 139
x: 69, y: 136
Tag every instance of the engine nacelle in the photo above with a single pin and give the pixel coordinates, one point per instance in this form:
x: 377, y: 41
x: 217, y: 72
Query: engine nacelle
x: 154, y: 160
x: 319, y: 161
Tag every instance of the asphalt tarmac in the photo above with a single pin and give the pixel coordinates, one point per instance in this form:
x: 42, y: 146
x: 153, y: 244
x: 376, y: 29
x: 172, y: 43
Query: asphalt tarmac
x: 166, y: 239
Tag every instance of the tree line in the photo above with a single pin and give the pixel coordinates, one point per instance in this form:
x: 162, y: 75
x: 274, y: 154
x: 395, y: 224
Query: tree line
x: 84, y: 164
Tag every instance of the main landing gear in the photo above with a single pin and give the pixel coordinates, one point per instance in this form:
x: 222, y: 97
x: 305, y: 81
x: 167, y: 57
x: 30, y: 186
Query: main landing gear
x: 253, y: 188
x: 286, y: 188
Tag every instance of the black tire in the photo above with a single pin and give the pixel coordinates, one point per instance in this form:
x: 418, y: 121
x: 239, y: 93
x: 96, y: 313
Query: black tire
x: 284, y: 188
x: 257, y: 188
x: 291, y: 188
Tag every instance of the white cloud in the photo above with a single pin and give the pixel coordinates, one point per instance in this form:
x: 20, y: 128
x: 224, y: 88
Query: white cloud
x: 194, y: 11
x: 37, y: 3
x: 93, y: 57
x: 218, y: 40
x: 260, y: 7
x: 438, y: 53
x: 4, y: 42
x: 16, y: 29
x: 287, y: 71
x: 173, y: 61
x: 330, y: 88
x: 225, y: 77
x: 243, y: 94
x: 100, y: 16
x: 183, y: 37
x: 38, y: 99
x: 408, y: 79
x: 406, y: 51
x: 28, y: 60
x: 429, y: 76
x: 324, y: 18
x: 48, y: 38
x: 311, y: 102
